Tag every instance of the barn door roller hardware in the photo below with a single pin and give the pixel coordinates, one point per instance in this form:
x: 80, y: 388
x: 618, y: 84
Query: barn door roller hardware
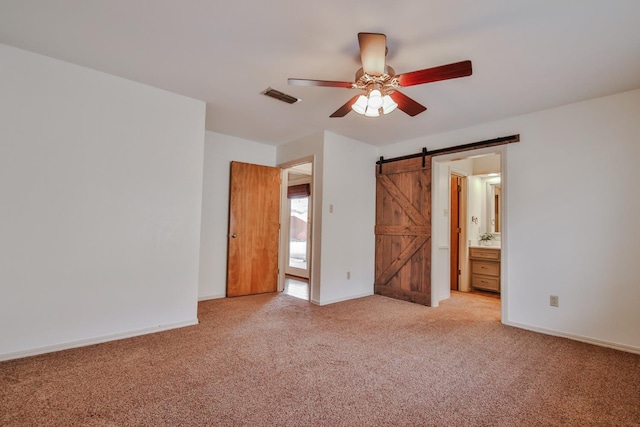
x: 448, y: 150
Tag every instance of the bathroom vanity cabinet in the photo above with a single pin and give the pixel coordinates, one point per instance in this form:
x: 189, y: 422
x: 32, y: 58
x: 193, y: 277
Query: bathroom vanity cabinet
x: 485, y: 268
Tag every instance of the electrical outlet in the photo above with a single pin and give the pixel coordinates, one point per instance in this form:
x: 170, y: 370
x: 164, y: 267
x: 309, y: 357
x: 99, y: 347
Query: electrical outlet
x: 553, y: 300
x: 348, y: 275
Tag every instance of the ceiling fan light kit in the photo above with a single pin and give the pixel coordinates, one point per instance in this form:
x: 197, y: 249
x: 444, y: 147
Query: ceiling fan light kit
x: 380, y: 83
x: 374, y: 104
x: 389, y: 104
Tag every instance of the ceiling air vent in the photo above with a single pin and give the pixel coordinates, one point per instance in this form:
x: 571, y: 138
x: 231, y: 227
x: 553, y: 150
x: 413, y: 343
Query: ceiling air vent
x: 276, y: 94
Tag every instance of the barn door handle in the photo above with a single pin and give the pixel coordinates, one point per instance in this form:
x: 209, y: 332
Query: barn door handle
x: 234, y: 235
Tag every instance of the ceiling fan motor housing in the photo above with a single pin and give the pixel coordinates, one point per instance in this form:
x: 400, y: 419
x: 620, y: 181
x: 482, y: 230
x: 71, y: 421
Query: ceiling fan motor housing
x: 385, y: 83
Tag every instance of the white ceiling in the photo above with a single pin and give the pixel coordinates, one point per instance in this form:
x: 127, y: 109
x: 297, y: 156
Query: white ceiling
x: 527, y: 55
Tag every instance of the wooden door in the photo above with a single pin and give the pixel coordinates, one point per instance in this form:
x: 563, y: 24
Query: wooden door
x: 403, y: 230
x: 254, y: 223
x: 454, y: 238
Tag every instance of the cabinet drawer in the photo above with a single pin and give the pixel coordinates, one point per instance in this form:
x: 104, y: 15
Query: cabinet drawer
x: 486, y: 268
x: 486, y: 283
x: 492, y: 254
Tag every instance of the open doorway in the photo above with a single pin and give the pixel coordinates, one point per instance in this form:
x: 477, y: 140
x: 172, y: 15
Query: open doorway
x: 468, y: 224
x: 296, y: 226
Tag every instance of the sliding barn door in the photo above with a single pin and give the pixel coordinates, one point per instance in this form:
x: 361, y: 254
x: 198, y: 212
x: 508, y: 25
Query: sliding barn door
x: 254, y: 224
x: 403, y: 230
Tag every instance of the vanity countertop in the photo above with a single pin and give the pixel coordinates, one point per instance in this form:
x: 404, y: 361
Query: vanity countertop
x: 495, y: 245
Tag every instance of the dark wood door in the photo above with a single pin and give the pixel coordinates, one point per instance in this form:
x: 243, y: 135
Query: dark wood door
x: 254, y: 223
x: 454, y: 238
x: 403, y: 230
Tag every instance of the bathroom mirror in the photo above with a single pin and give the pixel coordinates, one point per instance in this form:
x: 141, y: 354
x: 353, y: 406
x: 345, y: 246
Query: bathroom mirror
x: 497, y: 194
x: 493, y: 203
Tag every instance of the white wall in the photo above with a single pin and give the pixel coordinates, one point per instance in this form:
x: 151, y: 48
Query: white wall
x: 100, y: 184
x: 570, y: 216
x: 219, y: 151
x: 348, y: 232
x: 344, y: 176
x: 476, y: 208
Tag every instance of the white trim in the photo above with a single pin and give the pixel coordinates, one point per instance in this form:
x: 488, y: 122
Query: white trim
x: 504, y: 236
x: 333, y: 301
x: 98, y: 340
x: 214, y: 296
x: 282, y: 235
x: 588, y: 340
x: 457, y: 171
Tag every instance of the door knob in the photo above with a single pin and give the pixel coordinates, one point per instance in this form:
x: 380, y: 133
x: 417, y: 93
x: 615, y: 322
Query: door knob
x: 234, y: 235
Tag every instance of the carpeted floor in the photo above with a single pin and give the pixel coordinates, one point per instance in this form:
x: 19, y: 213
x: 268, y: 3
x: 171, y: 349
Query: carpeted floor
x: 278, y: 360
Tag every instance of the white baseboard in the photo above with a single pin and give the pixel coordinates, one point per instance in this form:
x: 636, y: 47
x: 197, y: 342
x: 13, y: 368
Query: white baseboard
x: 435, y: 302
x: 333, y: 301
x: 588, y: 340
x: 91, y: 341
x: 208, y: 297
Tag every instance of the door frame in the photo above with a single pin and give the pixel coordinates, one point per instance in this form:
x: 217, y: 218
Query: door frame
x: 284, y: 232
x: 441, y: 265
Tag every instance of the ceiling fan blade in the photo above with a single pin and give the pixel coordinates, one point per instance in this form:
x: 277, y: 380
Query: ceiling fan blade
x: 328, y: 83
x: 342, y: 111
x: 373, y: 49
x: 443, y: 72
x: 407, y: 104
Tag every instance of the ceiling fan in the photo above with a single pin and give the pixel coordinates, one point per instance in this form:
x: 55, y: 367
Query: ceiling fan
x: 380, y: 83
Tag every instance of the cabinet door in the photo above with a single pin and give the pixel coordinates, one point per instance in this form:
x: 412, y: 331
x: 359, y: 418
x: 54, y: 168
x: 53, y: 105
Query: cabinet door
x: 492, y: 254
x: 485, y: 268
x: 485, y: 282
